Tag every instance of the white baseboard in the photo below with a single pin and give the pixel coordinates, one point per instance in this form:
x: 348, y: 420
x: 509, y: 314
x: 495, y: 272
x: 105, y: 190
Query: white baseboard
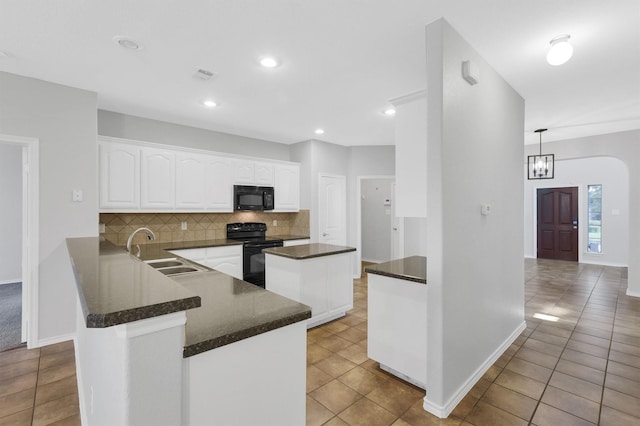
x: 444, y: 411
x: 15, y: 280
x: 633, y: 293
x: 53, y: 340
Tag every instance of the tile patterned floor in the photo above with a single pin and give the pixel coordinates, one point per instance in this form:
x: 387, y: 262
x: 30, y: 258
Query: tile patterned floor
x: 583, y: 369
x: 38, y: 386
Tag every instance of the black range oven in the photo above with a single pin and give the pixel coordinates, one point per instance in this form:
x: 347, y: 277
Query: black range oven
x: 253, y: 236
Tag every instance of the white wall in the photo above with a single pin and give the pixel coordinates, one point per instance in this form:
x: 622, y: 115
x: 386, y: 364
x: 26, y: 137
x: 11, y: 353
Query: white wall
x: 475, y: 270
x: 376, y: 220
x: 64, y: 121
x: 318, y: 157
x: 10, y: 213
x: 626, y: 147
x: 415, y: 236
x: 131, y: 127
x: 612, y: 174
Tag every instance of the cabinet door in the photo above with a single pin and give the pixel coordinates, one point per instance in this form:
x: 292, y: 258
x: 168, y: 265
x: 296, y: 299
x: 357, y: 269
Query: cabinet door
x: 287, y: 188
x: 339, y: 282
x: 157, y: 179
x: 190, y: 181
x: 296, y: 242
x: 197, y: 255
x: 227, y: 259
x: 119, y: 176
x: 263, y: 173
x: 243, y: 172
x: 218, y: 184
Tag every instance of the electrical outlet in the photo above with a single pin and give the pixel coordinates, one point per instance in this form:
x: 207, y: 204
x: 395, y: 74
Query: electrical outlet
x: 102, y: 229
x: 183, y: 225
x: 275, y: 222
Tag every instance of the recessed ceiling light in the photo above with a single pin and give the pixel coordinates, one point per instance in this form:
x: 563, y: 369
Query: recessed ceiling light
x: 560, y: 50
x: 209, y: 103
x: 319, y: 131
x: 389, y: 112
x: 269, y: 62
x: 127, y: 42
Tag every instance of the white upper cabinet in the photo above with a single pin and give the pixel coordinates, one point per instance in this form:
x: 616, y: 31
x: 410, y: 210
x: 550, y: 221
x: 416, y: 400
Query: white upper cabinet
x: 247, y: 172
x: 243, y: 172
x: 141, y: 176
x: 287, y: 188
x: 190, y: 180
x: 263, y: 174
x: 157, y: 179
x: 411, y: 155
x: 119, y: 176
x: 218, y: 184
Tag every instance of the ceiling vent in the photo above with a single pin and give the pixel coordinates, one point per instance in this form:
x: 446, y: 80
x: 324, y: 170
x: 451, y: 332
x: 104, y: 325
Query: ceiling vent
x: 203, y: 74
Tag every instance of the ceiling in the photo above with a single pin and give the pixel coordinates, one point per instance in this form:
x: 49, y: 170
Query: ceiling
x: 342, y: 60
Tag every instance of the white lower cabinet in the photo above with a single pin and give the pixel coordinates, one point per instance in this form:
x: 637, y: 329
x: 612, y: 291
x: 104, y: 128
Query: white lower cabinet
x: 324, y: 283
x: 296, y: 242
x: 397, y: 327
x: 227, y: 259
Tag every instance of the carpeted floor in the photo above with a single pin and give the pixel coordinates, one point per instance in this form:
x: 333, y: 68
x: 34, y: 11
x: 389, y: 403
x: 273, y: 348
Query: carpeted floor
x: 10, y: 315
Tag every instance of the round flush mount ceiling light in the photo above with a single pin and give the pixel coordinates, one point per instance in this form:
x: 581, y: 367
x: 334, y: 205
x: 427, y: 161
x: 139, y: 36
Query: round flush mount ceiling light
x: 209, y: 103
x: 127, y: 43
x: 319, y: 131
x: 560, y: 50
x: 269, y: 62
x: 389, y: 112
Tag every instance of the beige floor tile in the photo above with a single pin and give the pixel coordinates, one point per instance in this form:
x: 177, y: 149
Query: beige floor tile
x: 549, y: 416
x: 15, y: 402
x: 395, y: 396
x: 585, y: 359
x: 537, y: 357
x: 367, y: 413
x: 362, y: 380
x: 573, y: 404
x: 335, y: 365
x: 317, y: 414
x: 55, y: 410
x: 417, y: 415
x: 529, y: 369
x: 622, y: 384
x: 465, y: 406
x: 480, y: 388
x: 51, y: 359
x: 336, y: 421
x: 57, y: 372
x: 576, y: 386
x: 333, y: 343
x: 548, y: 338
x: 17, y: 355
x: 336, y: 396
x: 510, y: 401
x: 625, y: 358
x: 18, y: 383
x: 68, y: 421
x: 21, y: 418
x: 580, y: 371
x: 587, y: 348
x: 520, y: 384
x: 317, y: 353
x: 19, y: 368
x: 316, y: 378
x: 621, y: 402
x: 485, y: 414
x: 352, y: 334
x: 611, y: 417
x: 354, y: 353
x: 592, y: 340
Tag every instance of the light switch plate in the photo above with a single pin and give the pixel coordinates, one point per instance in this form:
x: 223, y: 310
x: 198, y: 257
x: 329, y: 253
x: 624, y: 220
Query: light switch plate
x: 77, y: 196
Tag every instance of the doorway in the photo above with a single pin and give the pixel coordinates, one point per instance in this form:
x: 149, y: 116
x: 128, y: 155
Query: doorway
x: 24, y: 153
x: 332, y: 218
x: 557, y: 223
x: 376, y: 219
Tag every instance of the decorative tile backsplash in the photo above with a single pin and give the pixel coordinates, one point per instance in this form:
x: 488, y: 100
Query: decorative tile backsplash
x: 200, y: 226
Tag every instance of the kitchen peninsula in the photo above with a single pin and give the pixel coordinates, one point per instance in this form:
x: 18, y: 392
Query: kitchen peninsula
x: 318, y: 275
x: 153, y: 349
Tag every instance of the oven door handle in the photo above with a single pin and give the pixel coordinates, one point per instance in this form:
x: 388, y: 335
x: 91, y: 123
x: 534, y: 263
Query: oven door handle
x: 263, y: 245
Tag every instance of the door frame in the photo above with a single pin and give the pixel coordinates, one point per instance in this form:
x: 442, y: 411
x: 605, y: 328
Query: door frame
x: 358, y: 219
x: 30, y: 233
x: 582, y: 215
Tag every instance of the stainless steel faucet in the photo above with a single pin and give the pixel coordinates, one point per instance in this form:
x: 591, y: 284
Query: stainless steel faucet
x: 150, y: 235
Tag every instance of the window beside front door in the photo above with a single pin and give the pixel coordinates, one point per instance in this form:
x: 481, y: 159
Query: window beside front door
x: 594, y: 215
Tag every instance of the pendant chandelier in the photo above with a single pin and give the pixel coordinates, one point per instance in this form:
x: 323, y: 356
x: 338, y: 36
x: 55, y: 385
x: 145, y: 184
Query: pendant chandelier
x: 540, y: 166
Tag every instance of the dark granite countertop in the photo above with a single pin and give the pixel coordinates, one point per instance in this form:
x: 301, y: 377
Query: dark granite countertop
x: 116, y: 288
x: 308, y: 251
x: 412, y: 268
x: 233, y: 310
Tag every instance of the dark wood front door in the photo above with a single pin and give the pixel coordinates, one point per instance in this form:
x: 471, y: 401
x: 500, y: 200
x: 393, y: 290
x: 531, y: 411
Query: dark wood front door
x: 558, y: 223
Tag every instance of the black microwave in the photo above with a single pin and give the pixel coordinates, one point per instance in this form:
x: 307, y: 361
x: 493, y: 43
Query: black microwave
x: 253, y: 197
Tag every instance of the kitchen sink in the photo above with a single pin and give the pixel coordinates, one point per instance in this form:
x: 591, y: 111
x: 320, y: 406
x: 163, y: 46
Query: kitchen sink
x: 178, y: 270
x: 174, y: 266
x: 164, y: 263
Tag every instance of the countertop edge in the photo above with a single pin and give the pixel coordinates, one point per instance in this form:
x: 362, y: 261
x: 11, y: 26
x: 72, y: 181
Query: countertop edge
x: 207, y: 345
x: 397, y: 276
x: 294, y: 252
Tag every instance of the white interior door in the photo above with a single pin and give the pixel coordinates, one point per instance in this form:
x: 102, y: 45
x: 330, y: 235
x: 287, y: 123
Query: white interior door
x: 332, y: 209
x: 397, y: 228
